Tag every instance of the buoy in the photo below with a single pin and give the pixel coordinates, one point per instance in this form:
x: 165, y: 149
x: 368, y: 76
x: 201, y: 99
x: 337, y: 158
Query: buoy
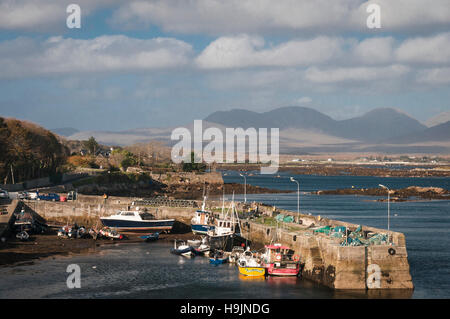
x: 278, y: 257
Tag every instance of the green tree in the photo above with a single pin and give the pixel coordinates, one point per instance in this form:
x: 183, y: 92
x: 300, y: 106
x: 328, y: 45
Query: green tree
x: 192, y: 166
x: 91, y: 145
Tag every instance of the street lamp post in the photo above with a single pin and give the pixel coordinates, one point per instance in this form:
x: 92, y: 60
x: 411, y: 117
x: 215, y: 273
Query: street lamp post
x: 298, y: 197
x: 388, y: 190
x: 245, y: 188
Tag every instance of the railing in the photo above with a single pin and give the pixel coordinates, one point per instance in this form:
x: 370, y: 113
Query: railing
x: 163, y: 201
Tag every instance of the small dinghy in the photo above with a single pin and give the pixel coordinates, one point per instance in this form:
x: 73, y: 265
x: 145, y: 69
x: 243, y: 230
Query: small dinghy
x: 23, y: 236
x: 182, y: 249
x: 236, y: 253
x: 194, y: 242
x: 218, y: 258
x: 203, y: 248
x: 110, y: 233
x: 150, y: 237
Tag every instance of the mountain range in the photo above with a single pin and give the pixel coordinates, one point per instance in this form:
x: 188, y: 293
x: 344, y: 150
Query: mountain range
x: 304, y: 129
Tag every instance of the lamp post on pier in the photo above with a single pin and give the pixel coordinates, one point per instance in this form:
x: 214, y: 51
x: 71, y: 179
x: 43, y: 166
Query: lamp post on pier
x: 245, y: 188
x: 298, y: 197
x: 388, y: 191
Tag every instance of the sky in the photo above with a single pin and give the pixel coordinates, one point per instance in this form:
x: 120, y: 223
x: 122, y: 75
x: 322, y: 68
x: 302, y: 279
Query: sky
x: 159, y: 63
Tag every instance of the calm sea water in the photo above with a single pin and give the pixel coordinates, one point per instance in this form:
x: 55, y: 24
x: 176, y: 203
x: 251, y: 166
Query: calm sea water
x: 426, y: 224
x: 150, y: 271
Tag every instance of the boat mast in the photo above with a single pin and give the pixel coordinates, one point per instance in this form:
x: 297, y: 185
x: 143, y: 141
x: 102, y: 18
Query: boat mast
x: 204, y: 197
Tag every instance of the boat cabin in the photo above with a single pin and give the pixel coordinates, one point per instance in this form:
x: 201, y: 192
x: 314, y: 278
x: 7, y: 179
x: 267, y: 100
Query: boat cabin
x: 278, y: 253
x: 202, y: 217
x: 225, y: 227
x: 132, y: 215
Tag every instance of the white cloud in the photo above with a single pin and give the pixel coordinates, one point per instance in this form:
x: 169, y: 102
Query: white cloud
x: 354, y: 74
x: 248, y: 51
x: 57, y: 55
x: 434, y: 76
x: 374, y: 50
x: 435, y: 49
x: 267, y: 16
x: 251, y: 51
x: 304, y: 100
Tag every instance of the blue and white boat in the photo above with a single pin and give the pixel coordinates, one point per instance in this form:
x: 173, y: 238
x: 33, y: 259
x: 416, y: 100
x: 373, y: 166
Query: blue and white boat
x: 137, y: 222
x: 203, y: 221
x: 181, y: 248
x: 218, y: 258
x: 150, y: 237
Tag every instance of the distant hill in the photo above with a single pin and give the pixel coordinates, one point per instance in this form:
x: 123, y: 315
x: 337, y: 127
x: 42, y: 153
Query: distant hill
x: 65, y: 131
x: 378, y: 125
x: 438, y: 133
x: 438, y: 119
x: 303, y: 129
x: 283, y: 118
x: 374, y: 126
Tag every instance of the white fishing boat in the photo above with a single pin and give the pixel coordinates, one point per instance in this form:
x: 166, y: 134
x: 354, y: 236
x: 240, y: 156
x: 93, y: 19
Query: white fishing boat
x: 226, y: 229
x: 137, y: 221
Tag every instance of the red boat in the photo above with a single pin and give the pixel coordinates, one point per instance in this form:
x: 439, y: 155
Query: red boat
x: 280, y: 261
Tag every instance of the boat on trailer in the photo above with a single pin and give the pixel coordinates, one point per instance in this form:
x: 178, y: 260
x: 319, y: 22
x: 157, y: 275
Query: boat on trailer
x: 137, y: 222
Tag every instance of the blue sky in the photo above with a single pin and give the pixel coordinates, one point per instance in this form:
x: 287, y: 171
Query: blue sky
x: 160, y: 63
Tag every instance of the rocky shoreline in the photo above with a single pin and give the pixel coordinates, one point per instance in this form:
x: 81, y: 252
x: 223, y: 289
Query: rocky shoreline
x: 196, y: 191
x: 404, y: 194
x: 177, y: 191
x: 348, y: 169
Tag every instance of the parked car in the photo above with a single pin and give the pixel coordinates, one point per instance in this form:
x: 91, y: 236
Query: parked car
x: 51, y: 196
x: 33, y: 195
x: 71, y: 195
x: 23, y: 195
x: 4, y: 194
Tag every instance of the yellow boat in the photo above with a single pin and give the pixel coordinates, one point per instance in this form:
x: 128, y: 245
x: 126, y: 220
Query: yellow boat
x: 252, y: 271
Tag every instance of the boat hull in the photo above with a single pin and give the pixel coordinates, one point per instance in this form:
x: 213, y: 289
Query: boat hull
x: 252, y: 271
x: 272, y: 270
x: 218, y: 261
x: 186, y: 252
x: 225, y: 242
x: 138, y: 226
x: 201, y: 229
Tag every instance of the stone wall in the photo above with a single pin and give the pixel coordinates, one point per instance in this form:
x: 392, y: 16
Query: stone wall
x: 341, y: 267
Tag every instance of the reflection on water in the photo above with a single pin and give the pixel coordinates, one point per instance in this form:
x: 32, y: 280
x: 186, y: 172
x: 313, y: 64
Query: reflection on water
x: 130, y: 271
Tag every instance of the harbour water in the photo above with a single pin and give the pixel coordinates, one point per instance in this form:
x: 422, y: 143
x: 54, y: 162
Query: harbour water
x: 150, y: 271
x: 425, y: 223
